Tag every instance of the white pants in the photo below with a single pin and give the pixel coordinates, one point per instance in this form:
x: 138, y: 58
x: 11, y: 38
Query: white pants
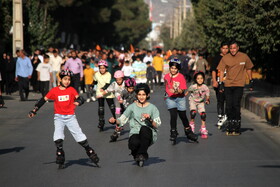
x: 60, y: 121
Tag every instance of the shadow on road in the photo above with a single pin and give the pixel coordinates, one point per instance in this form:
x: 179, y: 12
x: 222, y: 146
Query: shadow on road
x: 270, y: 166
x: 150, y: 161
x: 82, y: 162
x: 10, y: 150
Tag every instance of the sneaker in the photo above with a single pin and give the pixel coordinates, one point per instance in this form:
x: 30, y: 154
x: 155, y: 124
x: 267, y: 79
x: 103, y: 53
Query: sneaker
x: 81, y: 91
x: 88, y: 100
x: 204, y: 133
x: 192, y: 125
x: 93, y: 98
x: 152, y: 91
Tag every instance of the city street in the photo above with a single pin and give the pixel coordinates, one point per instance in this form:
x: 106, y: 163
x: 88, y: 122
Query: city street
x: 27, y: 152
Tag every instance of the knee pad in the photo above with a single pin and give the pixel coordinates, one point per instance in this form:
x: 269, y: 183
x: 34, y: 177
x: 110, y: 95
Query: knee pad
x: 193, y: 114
x: 203, y: 116
x: 112, y: 106
x: 101, y: 111
x: 59, y: 143
x: 118, y: 110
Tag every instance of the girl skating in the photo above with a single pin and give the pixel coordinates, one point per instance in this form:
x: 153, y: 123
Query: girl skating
x: 65, y: 99
x: 143, y: 118
x: 175, y: 86
x: 199, y: 95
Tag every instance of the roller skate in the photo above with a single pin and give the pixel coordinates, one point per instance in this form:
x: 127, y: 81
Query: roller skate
x: 93, y: 156
x: 173, y: 136
x: 203, y: 133
x: 140, y: 159
x: 101, y: 125
x: 115, y: 136
x: 192, y: 125
x: 60, y: 158
x: 221, y: 121
x: 236, y: 127
x: 229, y: 127
x: 2, y: 103
x: 190, y: 135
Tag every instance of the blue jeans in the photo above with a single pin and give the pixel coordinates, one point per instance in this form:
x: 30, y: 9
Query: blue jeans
x: 60, y: 121
x: 176, y: 102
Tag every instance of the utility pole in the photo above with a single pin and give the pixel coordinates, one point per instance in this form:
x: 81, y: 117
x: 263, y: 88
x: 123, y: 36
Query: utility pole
x: 184, y: 9
x: 180, y: 18
x: 17, y: 26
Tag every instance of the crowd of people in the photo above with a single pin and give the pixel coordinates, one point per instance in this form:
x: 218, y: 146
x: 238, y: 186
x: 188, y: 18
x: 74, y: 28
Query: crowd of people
x: 108, y: 75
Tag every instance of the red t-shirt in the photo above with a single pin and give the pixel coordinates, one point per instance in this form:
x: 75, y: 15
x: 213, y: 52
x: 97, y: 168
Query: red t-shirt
x: 63, y: 100
x: 174, y: 83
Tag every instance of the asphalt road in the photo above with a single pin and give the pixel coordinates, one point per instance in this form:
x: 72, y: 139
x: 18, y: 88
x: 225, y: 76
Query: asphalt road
x: 27, y: 152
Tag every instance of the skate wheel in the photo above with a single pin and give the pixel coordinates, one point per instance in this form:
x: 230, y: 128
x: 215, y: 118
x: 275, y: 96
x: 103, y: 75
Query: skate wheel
x: 141, y: 163
x: 204, y: 136
x: 61, y: 166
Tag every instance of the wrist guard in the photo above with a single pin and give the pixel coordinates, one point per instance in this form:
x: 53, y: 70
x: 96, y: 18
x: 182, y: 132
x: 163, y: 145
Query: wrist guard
x: 80, y: 100
x: 221, y: 86
x: 39, y: 104
x: 251, y: 84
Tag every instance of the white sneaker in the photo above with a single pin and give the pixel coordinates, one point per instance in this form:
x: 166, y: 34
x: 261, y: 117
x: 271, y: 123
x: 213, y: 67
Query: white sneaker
x: 81, y: 91
x: 88, y: 100
x: 93, y: 98
x: 152, y: 91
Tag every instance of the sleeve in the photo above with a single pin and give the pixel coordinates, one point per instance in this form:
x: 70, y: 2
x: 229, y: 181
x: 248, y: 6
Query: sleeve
x: 183, y: 83
x: 155, y: 117
x: 109, y: 78
x: 38, y: 67
x: 74, y: 92
x: 111, y: 87
x: 66, y: 65
x: 30, y: 68
x: 17, y: 67
x: 81, y: 69
x: 249, y: 65
x: 50, y: 95
x: 222, y: 65
x: 125, y: 116
x: 190, y: 88
x: 214, y: 64
x: 207, y: 91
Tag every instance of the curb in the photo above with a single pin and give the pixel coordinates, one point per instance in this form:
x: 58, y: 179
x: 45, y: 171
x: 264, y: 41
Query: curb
x: 266, y: 107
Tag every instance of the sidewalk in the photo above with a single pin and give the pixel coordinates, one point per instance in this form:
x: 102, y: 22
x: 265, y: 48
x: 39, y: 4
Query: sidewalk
x: 264, y: 101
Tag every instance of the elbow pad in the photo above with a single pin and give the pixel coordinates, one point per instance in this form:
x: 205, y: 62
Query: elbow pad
x: 80, y: 100
x: 106, y: 86
x: 39, y: 104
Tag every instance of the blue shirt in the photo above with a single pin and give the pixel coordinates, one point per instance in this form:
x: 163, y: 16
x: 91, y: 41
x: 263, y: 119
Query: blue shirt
x: 24, y: 67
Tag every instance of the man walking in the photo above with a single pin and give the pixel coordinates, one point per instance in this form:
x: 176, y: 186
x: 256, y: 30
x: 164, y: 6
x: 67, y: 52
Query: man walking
x: 237, y: 65
x: 76, y: 66
x: 24, y: 71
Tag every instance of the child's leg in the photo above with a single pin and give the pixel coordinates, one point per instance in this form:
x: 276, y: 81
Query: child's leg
x: 110, y: 102
x: 58, y: 127
x: 146, y: 138
x: 73, y: 126
x: 134, y: 144
x: 118, y: 107
x: 201, y: 110
x: 88, y: 91
x: 101, y: 112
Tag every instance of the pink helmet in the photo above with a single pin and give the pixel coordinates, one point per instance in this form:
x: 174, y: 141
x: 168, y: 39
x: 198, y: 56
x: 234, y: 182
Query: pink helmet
x: 130, y: 82
x: 118, y: 74
x: 103, y: 63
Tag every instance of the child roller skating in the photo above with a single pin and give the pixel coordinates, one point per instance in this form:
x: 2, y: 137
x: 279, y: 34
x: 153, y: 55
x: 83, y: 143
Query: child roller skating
x: 65, y: 99
x: 175, y: 86
x: 199, y: 95
x: 127, y: 97
x: 143, y: 118
x: 102, y: 79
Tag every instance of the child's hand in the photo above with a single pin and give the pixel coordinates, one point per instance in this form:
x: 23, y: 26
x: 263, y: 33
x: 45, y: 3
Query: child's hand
x: 172, y: 90
x: 207, y: 101
x: 31, y: 114
x: 186, y: 93
x: 101, y: 90
x: 112, y: 120
x: 76, y: 103
x: 146, y: 116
